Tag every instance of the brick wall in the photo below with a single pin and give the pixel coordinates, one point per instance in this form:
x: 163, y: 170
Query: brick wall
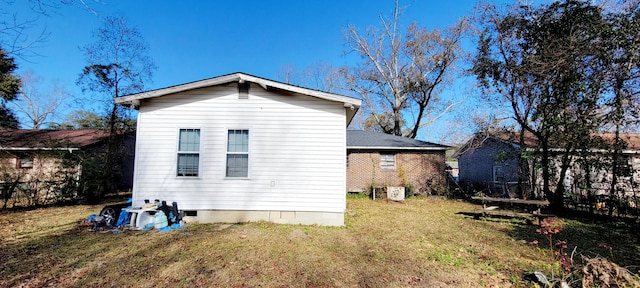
x: 415, y: 169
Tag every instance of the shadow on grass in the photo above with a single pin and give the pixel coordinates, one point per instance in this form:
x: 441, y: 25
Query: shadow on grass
x: 609, y: 238
x: 79, y: 257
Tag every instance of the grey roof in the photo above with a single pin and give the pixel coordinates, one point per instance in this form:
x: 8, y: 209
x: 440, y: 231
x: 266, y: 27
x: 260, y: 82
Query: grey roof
x: 358, y: 139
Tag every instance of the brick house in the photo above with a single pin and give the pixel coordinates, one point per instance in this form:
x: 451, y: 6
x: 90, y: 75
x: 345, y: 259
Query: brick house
x: 35, y: 160
x: 379, y: 160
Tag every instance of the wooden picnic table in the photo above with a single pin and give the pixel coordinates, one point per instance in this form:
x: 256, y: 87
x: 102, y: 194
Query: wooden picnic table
x: 535, y: 203
x: 494, y: 211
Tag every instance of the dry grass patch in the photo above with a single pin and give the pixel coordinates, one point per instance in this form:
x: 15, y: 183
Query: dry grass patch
x: 421, y: 242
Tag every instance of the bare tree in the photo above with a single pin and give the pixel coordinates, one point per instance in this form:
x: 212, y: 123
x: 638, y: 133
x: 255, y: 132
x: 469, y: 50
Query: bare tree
x: 118, y: 64
x: 403, y: 73
x: 35, y: 105
x: 21, y: 33
x: 321, y: 76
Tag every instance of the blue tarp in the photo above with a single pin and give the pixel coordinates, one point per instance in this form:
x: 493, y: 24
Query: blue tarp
x: 124, y: 218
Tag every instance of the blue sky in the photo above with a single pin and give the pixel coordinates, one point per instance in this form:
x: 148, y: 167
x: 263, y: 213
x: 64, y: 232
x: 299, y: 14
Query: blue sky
x: 193, y: 40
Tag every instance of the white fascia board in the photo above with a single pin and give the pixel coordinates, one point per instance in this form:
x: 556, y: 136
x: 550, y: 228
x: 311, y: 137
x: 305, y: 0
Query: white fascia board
x: 239, y: 77
x: 131, y: 99
x: 348, y: 101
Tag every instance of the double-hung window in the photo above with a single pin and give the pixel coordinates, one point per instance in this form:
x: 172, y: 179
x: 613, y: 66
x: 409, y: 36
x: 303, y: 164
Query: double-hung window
x: 188, y: 152
x: 238, y: 153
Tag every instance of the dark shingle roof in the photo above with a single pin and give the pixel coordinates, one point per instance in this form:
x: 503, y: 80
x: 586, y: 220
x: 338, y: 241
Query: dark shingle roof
x: 358, y: 139
x: 35, y: 139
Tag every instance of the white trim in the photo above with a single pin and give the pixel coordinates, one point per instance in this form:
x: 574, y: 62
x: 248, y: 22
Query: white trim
x: 248, y: 153
x: 178, y: 152
x: 134, y: 99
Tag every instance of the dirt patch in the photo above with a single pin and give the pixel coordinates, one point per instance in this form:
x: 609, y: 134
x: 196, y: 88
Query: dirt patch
x: 298, y: 234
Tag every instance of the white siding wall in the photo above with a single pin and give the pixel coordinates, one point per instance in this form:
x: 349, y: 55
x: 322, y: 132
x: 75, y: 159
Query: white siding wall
x: 296, y: 142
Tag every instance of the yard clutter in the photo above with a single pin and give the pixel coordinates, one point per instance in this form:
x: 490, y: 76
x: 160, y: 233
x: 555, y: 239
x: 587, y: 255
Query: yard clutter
x: 157, y: 215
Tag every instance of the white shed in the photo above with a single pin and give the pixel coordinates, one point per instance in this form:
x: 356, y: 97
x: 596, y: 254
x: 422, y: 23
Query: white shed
x: 238, y: 148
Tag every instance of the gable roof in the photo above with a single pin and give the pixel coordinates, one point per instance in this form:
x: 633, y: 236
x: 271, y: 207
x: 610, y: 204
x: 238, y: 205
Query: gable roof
x: 50, y: 139
x: 367, y: 140
x: 530, y: 140
x: 351, y: 103
x: 632, y: 139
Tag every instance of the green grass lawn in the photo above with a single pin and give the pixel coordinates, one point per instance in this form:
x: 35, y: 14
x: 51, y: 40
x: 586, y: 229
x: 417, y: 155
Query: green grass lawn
x: 421, y: 242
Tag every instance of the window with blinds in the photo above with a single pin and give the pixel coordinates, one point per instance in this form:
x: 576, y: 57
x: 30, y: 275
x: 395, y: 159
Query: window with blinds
x: 238, y: 153
x: 188, y: 153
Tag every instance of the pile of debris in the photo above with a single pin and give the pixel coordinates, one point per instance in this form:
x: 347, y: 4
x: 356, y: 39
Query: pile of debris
x: 157, y: 215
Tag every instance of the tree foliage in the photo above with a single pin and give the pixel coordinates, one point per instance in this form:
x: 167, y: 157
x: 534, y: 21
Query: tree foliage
x: 382, y: 123
x: 10, y: 85
x: 552, y: 65
x: 83, y: 119
x: 403, y: 73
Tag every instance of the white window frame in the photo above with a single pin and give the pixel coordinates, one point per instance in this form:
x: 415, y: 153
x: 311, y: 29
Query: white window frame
x: 498, y: 169
x: 185, y: 152
x: 227, y: 153
x: 28, y: 164
x: 387, y: 161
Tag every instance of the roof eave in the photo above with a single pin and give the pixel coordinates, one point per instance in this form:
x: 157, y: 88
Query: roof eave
x: 134, y: 99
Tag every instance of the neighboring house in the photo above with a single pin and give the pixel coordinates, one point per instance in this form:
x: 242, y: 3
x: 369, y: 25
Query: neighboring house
x: 36, y: 157
x: 238, y: 148
x: 378, y: 160
x: 491, y: 161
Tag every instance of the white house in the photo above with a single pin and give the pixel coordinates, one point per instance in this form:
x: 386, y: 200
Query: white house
x: 238, y: 148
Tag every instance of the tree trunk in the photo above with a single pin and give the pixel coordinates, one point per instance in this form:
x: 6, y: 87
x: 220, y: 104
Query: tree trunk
x: 521, y: 163
x: 614, y: 171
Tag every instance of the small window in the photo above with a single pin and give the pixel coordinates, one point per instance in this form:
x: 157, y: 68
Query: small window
x: 243, y: 90
x: 387, y: 161
x: 238, y: 153
x: 25, y: 162
x: 188, y: 152
x: 623, y: 167
x: 498, y: 174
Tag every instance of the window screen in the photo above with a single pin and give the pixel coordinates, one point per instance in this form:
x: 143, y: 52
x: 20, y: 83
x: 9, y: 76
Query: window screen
x: 238, y: 153
x: 188, y: 152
